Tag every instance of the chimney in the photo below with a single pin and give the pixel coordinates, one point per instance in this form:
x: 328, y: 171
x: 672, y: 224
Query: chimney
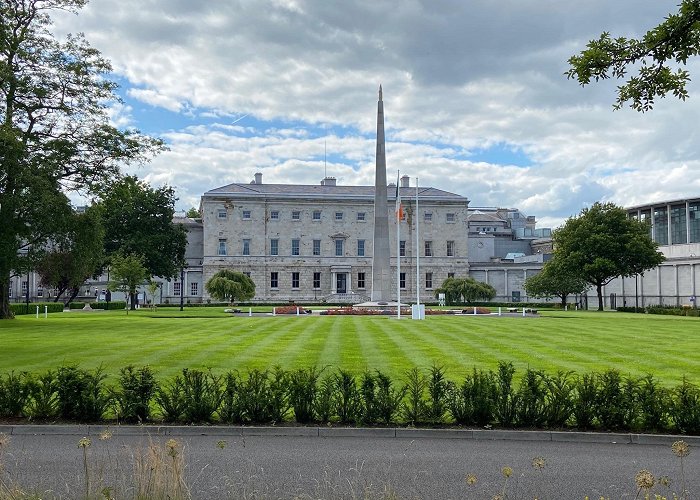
x: 405, y: 181
x: 258, y: 178
x: 328, y: 181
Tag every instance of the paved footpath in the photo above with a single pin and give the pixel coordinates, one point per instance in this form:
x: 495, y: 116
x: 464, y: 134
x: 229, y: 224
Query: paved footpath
x: 320, y: 462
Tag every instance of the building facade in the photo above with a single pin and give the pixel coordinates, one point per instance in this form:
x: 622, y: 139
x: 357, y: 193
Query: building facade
x: 313, y: 243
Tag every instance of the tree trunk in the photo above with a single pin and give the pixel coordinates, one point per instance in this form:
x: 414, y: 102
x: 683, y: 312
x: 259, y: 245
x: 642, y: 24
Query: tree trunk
x: 563, y: 301
x: 5, y: 312
x: 132, y: 298
x: 73, y: 295
x: 599, y: 288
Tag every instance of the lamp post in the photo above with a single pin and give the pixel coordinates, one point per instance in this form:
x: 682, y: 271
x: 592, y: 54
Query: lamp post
x: 182, y: 288
x: 27, y: 292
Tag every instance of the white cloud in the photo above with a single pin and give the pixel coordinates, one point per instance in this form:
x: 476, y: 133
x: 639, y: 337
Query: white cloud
x: 457, y: 77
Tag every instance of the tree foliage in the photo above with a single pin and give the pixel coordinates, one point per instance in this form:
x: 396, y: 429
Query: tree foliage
x: 139, y: 220
x: 128, y: 272
x: 193, y: 213
x: 55, y: 134
x: 603, y: 243
x: 230, y: 286
x: 656, y: 57
x: 460, y: 290
x: 555, y: 281
x: 75, y: 256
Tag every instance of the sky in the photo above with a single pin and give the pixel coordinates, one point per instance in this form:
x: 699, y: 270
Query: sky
x: 475, y: 97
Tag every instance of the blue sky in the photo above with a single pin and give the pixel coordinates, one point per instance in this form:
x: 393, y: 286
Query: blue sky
x: 475, y: 97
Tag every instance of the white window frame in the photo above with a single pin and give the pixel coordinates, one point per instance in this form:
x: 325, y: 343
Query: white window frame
x: 450, y: 248
x: 296, y: 247
x: 428, y: 217
x: 360, y: 248
x: 450, y: 218
x: 316, y: 249
x: 339, y: 216
x: 246, y: 246
x: 275, y: 215
x: 428, y: 248
x: 361, y: 216
x: 339, y: 247
x: 274, y: 242
x: 296, y: 214
x: 296, y: 278
x: 222, y: 250
x: 246, y: 215
x: 194, y: 289
x: 316, y: 215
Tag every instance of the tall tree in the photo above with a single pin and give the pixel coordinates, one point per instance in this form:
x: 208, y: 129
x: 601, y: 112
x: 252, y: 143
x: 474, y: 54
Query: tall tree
x: 55, y: 134
x: 128, y: 273
x: 603, y: 243
x: 555, y: 281
x: 657, y: 59
x: 74, y: 256
x: 139, y: 220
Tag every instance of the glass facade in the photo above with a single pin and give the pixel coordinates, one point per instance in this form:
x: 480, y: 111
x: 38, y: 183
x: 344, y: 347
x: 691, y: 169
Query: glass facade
x: 645, y: 216
x: 678, y: 225
x: 694, y: 221
x: 661, y: 225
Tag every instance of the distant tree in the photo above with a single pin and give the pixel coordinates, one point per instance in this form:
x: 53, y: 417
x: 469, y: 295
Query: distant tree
x: 139, y: 221
x: 74, y: 256
x: 230, y: 286
x: 459, y: 290
x: 603, y: 243
x: 152, y: 289
x: 193, y: 213
x: 55, y: 131
x: 655, y: 57
x: 127, y: 274
x: 555, y: 281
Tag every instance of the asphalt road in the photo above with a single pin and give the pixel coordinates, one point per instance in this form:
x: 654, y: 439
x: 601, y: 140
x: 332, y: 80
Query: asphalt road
x: 229, y: 464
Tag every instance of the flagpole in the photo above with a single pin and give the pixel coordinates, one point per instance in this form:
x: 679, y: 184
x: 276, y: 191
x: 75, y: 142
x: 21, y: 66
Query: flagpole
x: 417, y: 251
x: 398, y: 247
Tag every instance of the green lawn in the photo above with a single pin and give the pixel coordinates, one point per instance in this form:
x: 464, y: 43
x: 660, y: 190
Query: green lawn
x: 169, y: 340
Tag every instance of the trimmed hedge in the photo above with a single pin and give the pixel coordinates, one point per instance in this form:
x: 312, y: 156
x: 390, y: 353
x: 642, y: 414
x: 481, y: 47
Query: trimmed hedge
x: 663, y: 310
x: 600, y: 400
x: 112, y: 305
x: 20, y: 309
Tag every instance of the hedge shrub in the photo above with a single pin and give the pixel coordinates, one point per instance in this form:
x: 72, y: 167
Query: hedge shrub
x: 534, y: 399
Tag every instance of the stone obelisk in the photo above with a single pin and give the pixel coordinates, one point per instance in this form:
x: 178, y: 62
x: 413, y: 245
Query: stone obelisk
x: 381, y: 257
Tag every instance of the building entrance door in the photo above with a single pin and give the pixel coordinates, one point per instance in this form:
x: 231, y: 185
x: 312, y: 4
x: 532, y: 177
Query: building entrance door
x: 341, y: 283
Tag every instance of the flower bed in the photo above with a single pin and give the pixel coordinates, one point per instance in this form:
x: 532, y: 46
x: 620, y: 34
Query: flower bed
x: 291, y: 310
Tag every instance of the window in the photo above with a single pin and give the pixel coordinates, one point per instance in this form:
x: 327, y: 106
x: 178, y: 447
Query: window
x: 222, y: 246
x: 274, y: 279
x: 295, y: 247
x: 360, y: 248
x: 694, y: 221
x: 450, y: 248
x: 450, y: 275
x: 246, y: 214
x: 360, y: 280
x: 678, y: 225
x: 402, y: 248
x: 339, y: 216
x: 247, y: 273
x: 316, y: 215
x: 450, y: 217
x: 402, y: 280
x: 339, y: 248
x: 9, y: 293
x: 428, y: 217
x: 317, y: 280
x: 221, y: 213
x: 428, y: 248
x: 361, y: 216
x: 295, y: 280
x: 246, y: 247
x: 428, y: 280
x: 296, y: 215
x: 40, y: 291
x: 176, y: 288
x: 317, y: 247
x: 661, y: 225
x: 25, y: 285
x: 274, y: 246
x: 194, y: 288
x: 275, y: 215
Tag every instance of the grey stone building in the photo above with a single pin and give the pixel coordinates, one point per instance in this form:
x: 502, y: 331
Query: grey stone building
x: 306, y: 243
